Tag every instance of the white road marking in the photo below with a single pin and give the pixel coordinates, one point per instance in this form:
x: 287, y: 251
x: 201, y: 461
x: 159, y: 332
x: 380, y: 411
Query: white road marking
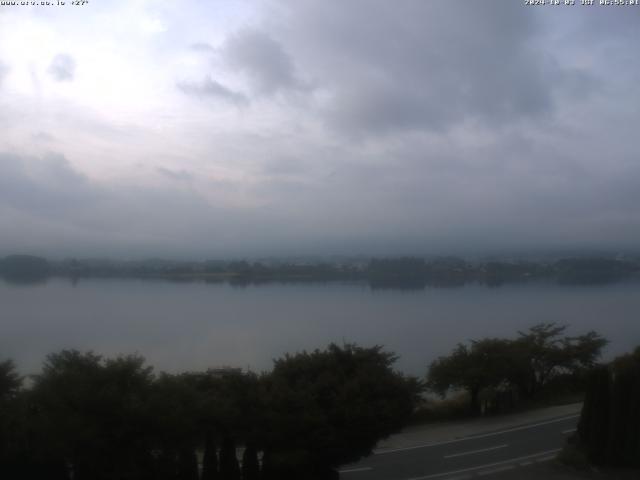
x: 496, y: 470
x: 545, y: 459
x: 571, y: 430
x: 489, y: 465
x: 354, y: 470
x: 474, y: 437
x: 488, y: 449
x: 524, y: 464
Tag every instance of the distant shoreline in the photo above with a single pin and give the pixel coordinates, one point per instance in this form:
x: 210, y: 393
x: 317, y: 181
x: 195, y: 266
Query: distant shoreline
x: 409, y: 273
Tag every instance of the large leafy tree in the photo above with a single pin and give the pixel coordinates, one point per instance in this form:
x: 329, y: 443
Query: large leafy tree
x: 90, y: 413
x: 483, y: 364
x: 331, y: 407
x: 544, y: 351
x: 527, y: 363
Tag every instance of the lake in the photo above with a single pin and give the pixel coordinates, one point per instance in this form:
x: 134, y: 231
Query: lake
x: 182, y: 326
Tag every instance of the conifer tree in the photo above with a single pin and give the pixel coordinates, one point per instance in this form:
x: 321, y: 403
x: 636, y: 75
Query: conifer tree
x: 229, y: 467
x: 250, y: 465
x: 210, y: 459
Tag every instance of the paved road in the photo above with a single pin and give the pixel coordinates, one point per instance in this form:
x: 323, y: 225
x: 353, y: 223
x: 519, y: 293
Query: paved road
x: 477, y: 456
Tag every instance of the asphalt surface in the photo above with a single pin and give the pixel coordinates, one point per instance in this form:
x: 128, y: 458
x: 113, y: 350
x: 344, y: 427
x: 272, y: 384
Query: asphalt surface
x: 478, y: 456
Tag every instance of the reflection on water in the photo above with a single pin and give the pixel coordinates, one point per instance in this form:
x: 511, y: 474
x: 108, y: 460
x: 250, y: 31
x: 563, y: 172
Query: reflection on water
x: 25, y: 279
x: 181, y: 326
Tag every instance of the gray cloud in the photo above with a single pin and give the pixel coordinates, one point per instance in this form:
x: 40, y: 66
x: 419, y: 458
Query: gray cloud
x: 432, y: 127
x: 178, y: 175
x: 43, y: 186
x: 62, y: 68
x: 51, y: 208
x: 262, y: 59
x: 43, y: 136
x: 285, y: 166
x: 427, y: 65
x: 447, y: 203
x: 609, y: 24
x: 64, y: 211
x: 208, y: 88
x: 202, y: 47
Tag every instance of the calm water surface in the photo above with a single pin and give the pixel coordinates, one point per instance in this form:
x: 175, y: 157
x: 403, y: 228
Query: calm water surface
x: 179, y: 326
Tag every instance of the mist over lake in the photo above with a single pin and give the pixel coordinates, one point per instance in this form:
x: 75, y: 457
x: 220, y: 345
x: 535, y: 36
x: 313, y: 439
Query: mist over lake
x: 194, y: 325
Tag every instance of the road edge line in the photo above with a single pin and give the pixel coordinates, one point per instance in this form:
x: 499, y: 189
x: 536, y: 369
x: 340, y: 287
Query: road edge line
x: 488, y: 465
x: 474, y: 437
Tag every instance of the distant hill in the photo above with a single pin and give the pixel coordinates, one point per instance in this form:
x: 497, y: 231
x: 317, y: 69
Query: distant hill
x: 25, y: 267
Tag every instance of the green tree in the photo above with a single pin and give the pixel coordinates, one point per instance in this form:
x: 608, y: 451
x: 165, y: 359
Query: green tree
x: 90, y: 413
x: 609, y: 427
x: 10, y: 387
x: 593, y: 427
x: 543, y: 352
x: 483, y: 364
x: 230, y: 409
x: 174, y: 406
x: 331, y: 407
x: 527, y: 363
x: 210, y: 459
x: 229, y: 466
x: 250, y: 464
x: 10, y: 380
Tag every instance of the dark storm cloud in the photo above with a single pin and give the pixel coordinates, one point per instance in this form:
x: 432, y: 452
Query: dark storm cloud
x: 62, y: 68
x: 208, y: 88
x: 262, y: 59
x: 427, y: 65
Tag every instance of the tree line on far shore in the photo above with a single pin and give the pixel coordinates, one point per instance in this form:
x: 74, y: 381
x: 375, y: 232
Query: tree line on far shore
x: 379, y: 273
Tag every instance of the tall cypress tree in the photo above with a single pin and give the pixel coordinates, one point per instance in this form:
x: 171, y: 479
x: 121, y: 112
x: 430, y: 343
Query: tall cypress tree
x: 594, y: 422
x: 624, y: 436
x: 188, y: 464
x: 210, y: 459
x: 267, y: 470
x: 250, y: 464
x: 229, y: 468
x: 609, y: 427
x: 633, y: 449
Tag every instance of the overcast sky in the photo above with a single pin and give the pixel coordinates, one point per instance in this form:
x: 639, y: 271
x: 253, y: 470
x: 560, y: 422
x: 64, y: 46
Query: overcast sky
x: 214, y: 128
